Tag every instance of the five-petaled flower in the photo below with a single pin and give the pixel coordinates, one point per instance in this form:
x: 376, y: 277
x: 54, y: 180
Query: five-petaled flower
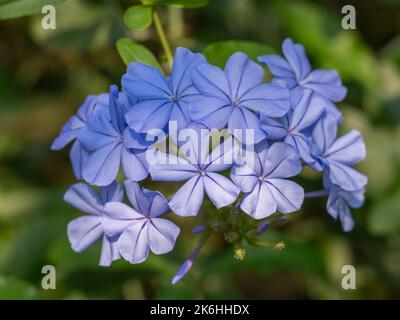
x: 264, y: 183
x: 140, y: 229
x: 295, y: 74
x: 200, y: 169
x: 111, y: 143
x: 230, y: 97
x: 87, y: 229
x: 336, y: 156
x: 161, y: 99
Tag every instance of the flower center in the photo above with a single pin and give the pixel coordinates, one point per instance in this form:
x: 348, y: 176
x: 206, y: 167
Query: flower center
x: 202, y: 172
x: 261, y: 178
x: 173, y: 98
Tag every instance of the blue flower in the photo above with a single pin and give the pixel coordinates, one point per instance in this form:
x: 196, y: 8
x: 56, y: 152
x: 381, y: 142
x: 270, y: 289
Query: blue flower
x: 293, y: 127
x: 140, y: 229
x: 74, y: 126
x: 161, y: 99
x: 340, y: 201
x: 230, y: 97
x: 200, y: 171
x: 295, y: 74
x: 337, y: 156
x: 111, y: 143
x: 87, y: 229
x: 264, y: 182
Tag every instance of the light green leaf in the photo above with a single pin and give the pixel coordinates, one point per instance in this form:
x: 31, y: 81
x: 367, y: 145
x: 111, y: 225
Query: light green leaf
x: 190, y: 4
x: 218, y: 53
x: 134, y: 52
x: 19, y: 8
x: 384, y: 217
x: 138, y: 17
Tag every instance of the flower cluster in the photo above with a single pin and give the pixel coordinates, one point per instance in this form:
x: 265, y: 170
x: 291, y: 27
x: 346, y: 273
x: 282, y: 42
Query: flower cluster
x: 271, y: 131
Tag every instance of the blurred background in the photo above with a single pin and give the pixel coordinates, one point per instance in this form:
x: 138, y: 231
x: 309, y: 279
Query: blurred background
x: 46, y: 74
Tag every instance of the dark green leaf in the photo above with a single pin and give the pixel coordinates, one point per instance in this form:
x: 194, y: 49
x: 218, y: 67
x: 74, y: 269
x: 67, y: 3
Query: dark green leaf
x: 218, y: 53
x: 138, y: 17
x: 21, y: 8
x: 134, y: 52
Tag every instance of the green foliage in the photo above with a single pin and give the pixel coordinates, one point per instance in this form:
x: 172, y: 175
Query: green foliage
x: 19, y: 8
x: 13, y: 288
x: 138, y: 17
x: 384, y: 217
x: 190, y: 4
x: 218, y: 53
x: 131, y: 51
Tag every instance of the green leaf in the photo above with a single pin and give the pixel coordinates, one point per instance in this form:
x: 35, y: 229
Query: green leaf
x: 19, y: 8
x: 138, y: 17
x: 384, y: 217
x: 190, y: 4
x: 134, y: 52
x: 218, y: 53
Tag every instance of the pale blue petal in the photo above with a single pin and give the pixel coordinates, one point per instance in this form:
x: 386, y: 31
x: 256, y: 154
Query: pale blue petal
x: 288, y: 195
x: 220, y: 189
x: 84, y: 198
x: 84, y: 231
x: 162, y: 235
x: 188, y: 199
x: 242, y: 74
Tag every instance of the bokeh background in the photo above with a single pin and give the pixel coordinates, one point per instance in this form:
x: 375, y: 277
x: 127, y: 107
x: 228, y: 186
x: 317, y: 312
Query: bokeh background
x: 45, y: 75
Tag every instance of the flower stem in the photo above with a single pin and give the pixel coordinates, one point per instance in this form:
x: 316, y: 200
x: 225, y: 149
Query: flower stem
x: 163, y: 38
x: 316, y: 194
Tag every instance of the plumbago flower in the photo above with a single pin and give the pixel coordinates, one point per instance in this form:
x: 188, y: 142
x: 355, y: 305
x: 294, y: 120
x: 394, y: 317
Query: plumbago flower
x: 293, y: 120
x: 337, y: 156
x: 295, y: 74
x: 230, y: 97
x: 264, y: 183
x: 87, y: 229
x: 112, y: 144
x: 74, y: 126
x: 140, y: 229
x: 200, y: 169
x: 161, y: 99
x: 292, y: 128
x: 340, y: 201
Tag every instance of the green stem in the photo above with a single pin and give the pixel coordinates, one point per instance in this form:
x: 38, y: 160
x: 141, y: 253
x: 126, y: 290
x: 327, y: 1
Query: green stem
x: 163, y: 38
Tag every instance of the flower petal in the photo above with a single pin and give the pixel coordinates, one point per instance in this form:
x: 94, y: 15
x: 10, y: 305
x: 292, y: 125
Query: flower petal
x: 118, y: 217
x: 327, y: 83
x: 211, y: 81
x: 102, y: 165
x: 145, y: 82
x: 133, y: 165
x: 220, y: 189
x: 277, y: 66
x: 149, y: 114
x: 288, y: 195
x: 269, y: 99
x: 84, y: 198
x: 259, y: 203
x: 296, y: 57
x: 245, y: 126
x: 348, y: 149
x: 188, y: 199
x: 281, y: 161
x: 242, y: 74
x: 346, y: 177
x: 84, y: 231
x: 133, y: 243
x: 162, y: 235
x: 184, y: 63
